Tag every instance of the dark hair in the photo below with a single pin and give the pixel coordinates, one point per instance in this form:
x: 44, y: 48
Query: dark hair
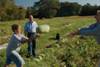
x: 14, y: 27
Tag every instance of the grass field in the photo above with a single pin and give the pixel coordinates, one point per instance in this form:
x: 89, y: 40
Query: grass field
x: 72, y: 52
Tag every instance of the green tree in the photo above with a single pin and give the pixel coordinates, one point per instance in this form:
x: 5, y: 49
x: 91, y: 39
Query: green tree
x: 9, y: 11
x: 46, y: 8
x: 88, y: 9
x: 68, y: 9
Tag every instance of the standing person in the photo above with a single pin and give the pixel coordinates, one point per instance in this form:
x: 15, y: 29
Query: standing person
x: 92, y: 30
x: 31, y: 32
x: 14, y: 47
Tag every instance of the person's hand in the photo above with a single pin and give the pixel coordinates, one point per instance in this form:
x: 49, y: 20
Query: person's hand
x: 30, y: 39
x: 24, y: 40
x: 72, y: 34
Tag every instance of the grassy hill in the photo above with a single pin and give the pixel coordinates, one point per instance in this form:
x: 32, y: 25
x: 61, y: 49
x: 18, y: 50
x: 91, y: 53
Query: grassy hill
x: 72, y: 52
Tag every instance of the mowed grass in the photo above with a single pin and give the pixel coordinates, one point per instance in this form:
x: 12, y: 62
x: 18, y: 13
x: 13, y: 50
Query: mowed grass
x: 71, y: 52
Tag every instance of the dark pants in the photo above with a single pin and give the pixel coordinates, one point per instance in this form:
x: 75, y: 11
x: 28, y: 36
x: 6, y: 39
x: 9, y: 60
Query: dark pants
x: 32, y: 44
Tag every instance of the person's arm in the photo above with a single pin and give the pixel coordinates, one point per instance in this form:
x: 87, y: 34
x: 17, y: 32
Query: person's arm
x: 72, y: 34
x: 86, y: 31
x: 92, y: 26
x: 89, y: 32
x: 21, y: 38
x: 24, y: 39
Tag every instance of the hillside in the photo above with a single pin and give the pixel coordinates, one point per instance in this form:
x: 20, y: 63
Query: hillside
x: 71, y: 52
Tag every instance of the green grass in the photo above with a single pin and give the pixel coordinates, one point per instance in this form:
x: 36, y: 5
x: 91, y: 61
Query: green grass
x: 71, y: 52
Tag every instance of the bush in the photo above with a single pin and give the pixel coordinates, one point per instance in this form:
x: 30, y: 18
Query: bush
x: 81, y: 53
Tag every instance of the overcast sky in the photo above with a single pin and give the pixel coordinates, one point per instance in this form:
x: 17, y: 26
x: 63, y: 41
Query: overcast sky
x: 27, y: 3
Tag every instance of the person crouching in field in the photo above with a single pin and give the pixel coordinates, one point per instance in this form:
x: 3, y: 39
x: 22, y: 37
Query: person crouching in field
x: 92, y: 30
x: 31, y: 32
x: 13, y: 47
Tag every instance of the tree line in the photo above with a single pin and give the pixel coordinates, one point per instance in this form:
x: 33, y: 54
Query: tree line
x: 45, y: 9
x: 9, y: 11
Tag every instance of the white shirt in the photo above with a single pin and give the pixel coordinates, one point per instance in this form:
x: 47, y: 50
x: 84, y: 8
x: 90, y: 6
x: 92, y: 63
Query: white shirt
x: 31, y: 27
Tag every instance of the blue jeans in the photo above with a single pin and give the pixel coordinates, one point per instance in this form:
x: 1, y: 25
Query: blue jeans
x: 17, y: 60
x: 32, y: 44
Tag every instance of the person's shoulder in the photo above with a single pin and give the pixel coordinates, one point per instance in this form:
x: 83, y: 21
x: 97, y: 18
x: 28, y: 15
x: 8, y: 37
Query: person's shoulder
x: 17, y: 36
x: 14, y: 35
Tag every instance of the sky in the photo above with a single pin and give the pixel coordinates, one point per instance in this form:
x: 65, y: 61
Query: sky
x: 26, y: 3
x: 93, y: 2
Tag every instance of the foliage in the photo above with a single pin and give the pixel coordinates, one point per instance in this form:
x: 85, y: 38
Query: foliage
x: 9, y: 11
x: 91, y: 10
x: 46, y: 8
x: 68, y: 9
x: 52, y: 8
